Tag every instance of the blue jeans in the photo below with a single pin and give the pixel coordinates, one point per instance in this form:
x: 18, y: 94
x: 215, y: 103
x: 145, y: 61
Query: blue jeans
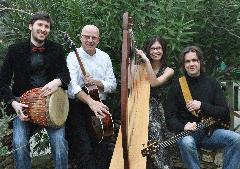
x: 226, y: 139
x: 22, y: 132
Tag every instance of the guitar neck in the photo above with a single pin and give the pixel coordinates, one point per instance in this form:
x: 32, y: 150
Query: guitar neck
x: 80, y: 62
x: 73, y: 46
x: 182, y: 134
x: 173, y: 139
x: 155, y: 146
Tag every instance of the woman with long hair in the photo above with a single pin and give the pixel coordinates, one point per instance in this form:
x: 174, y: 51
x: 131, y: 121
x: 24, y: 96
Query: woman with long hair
x: 159, y: 75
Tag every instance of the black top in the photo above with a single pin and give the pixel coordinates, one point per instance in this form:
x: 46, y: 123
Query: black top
x: 203, y: 88
x: 38, y: 71
x: 17, y: 67
x: 160, y: 92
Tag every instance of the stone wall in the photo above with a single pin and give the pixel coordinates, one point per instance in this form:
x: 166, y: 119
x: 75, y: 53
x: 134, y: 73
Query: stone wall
x: 209, y: 159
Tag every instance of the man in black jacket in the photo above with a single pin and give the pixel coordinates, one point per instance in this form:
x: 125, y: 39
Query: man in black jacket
x: 33, y: 63
x: 209, y: 101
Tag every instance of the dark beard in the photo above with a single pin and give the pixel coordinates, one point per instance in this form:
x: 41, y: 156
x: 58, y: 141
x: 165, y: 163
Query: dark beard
x: 38, y: 40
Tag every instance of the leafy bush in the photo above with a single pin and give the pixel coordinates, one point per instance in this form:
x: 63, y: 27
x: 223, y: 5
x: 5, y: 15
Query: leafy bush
x: 212, y: 25
x: 4, y: 132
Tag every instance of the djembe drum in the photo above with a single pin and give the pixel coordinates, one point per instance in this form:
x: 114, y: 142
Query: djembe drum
x: 51, y: 111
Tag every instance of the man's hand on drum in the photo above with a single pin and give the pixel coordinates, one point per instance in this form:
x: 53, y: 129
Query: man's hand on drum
x: 99, y: 108
x: 51, y: 87
x: 19, y: 108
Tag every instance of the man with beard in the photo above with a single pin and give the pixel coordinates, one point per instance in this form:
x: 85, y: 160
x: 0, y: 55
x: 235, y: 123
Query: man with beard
x: 34, y: 63
x: 207, y: 101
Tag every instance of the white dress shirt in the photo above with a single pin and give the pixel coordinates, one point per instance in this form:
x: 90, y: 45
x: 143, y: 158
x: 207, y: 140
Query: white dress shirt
x: 99, y: 66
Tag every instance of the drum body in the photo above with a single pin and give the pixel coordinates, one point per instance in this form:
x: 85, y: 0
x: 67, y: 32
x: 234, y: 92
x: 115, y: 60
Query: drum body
x: 51, y: 111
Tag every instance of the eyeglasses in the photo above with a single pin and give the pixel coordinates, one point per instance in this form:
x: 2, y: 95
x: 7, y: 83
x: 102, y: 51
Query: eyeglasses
x: 192, y: 60
x: 157, y: 48
x: 94, y: 38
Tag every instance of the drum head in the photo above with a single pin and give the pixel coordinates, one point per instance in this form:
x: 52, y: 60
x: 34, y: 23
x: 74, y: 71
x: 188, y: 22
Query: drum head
x: 58, y: 108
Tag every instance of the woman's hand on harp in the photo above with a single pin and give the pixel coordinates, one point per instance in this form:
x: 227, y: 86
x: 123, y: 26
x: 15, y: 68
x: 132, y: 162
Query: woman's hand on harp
x: 141, y: 54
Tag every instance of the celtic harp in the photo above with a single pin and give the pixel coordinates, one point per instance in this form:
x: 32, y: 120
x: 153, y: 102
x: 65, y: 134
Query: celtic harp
x: 135, y: 92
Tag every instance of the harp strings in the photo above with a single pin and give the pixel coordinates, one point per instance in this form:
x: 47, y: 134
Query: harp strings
x: 136, y: 87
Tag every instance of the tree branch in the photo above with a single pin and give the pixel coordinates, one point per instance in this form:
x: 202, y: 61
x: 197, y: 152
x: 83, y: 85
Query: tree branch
x: 227, y: 70
x: 227, y: 30
x: 4, y: 8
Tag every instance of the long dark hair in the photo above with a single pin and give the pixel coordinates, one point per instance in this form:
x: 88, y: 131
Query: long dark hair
x: 199, y: 54
x: 150, y: 42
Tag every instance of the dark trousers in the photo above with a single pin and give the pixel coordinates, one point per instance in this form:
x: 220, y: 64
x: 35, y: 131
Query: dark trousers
x: 84, y: 151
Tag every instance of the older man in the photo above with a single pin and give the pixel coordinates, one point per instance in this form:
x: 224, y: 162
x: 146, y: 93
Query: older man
x: 208, y: 100
x: 100, y: 72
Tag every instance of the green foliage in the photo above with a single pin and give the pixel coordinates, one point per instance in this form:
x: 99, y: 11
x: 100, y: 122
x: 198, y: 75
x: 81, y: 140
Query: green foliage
x: 212, y: 25
x: 41, y: 142
x: 4, y: 121
x: 219, y: 37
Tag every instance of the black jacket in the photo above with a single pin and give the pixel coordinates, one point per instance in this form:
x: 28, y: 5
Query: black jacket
x: 203, y: 88
x: 16, y: 67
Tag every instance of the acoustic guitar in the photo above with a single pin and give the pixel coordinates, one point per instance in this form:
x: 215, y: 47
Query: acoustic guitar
x: 100, y: 127
x: 154, y: 146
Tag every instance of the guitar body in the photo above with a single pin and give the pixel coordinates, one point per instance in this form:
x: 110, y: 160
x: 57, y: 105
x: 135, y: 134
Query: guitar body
x: 100, y: 128
x: 220, y: 124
